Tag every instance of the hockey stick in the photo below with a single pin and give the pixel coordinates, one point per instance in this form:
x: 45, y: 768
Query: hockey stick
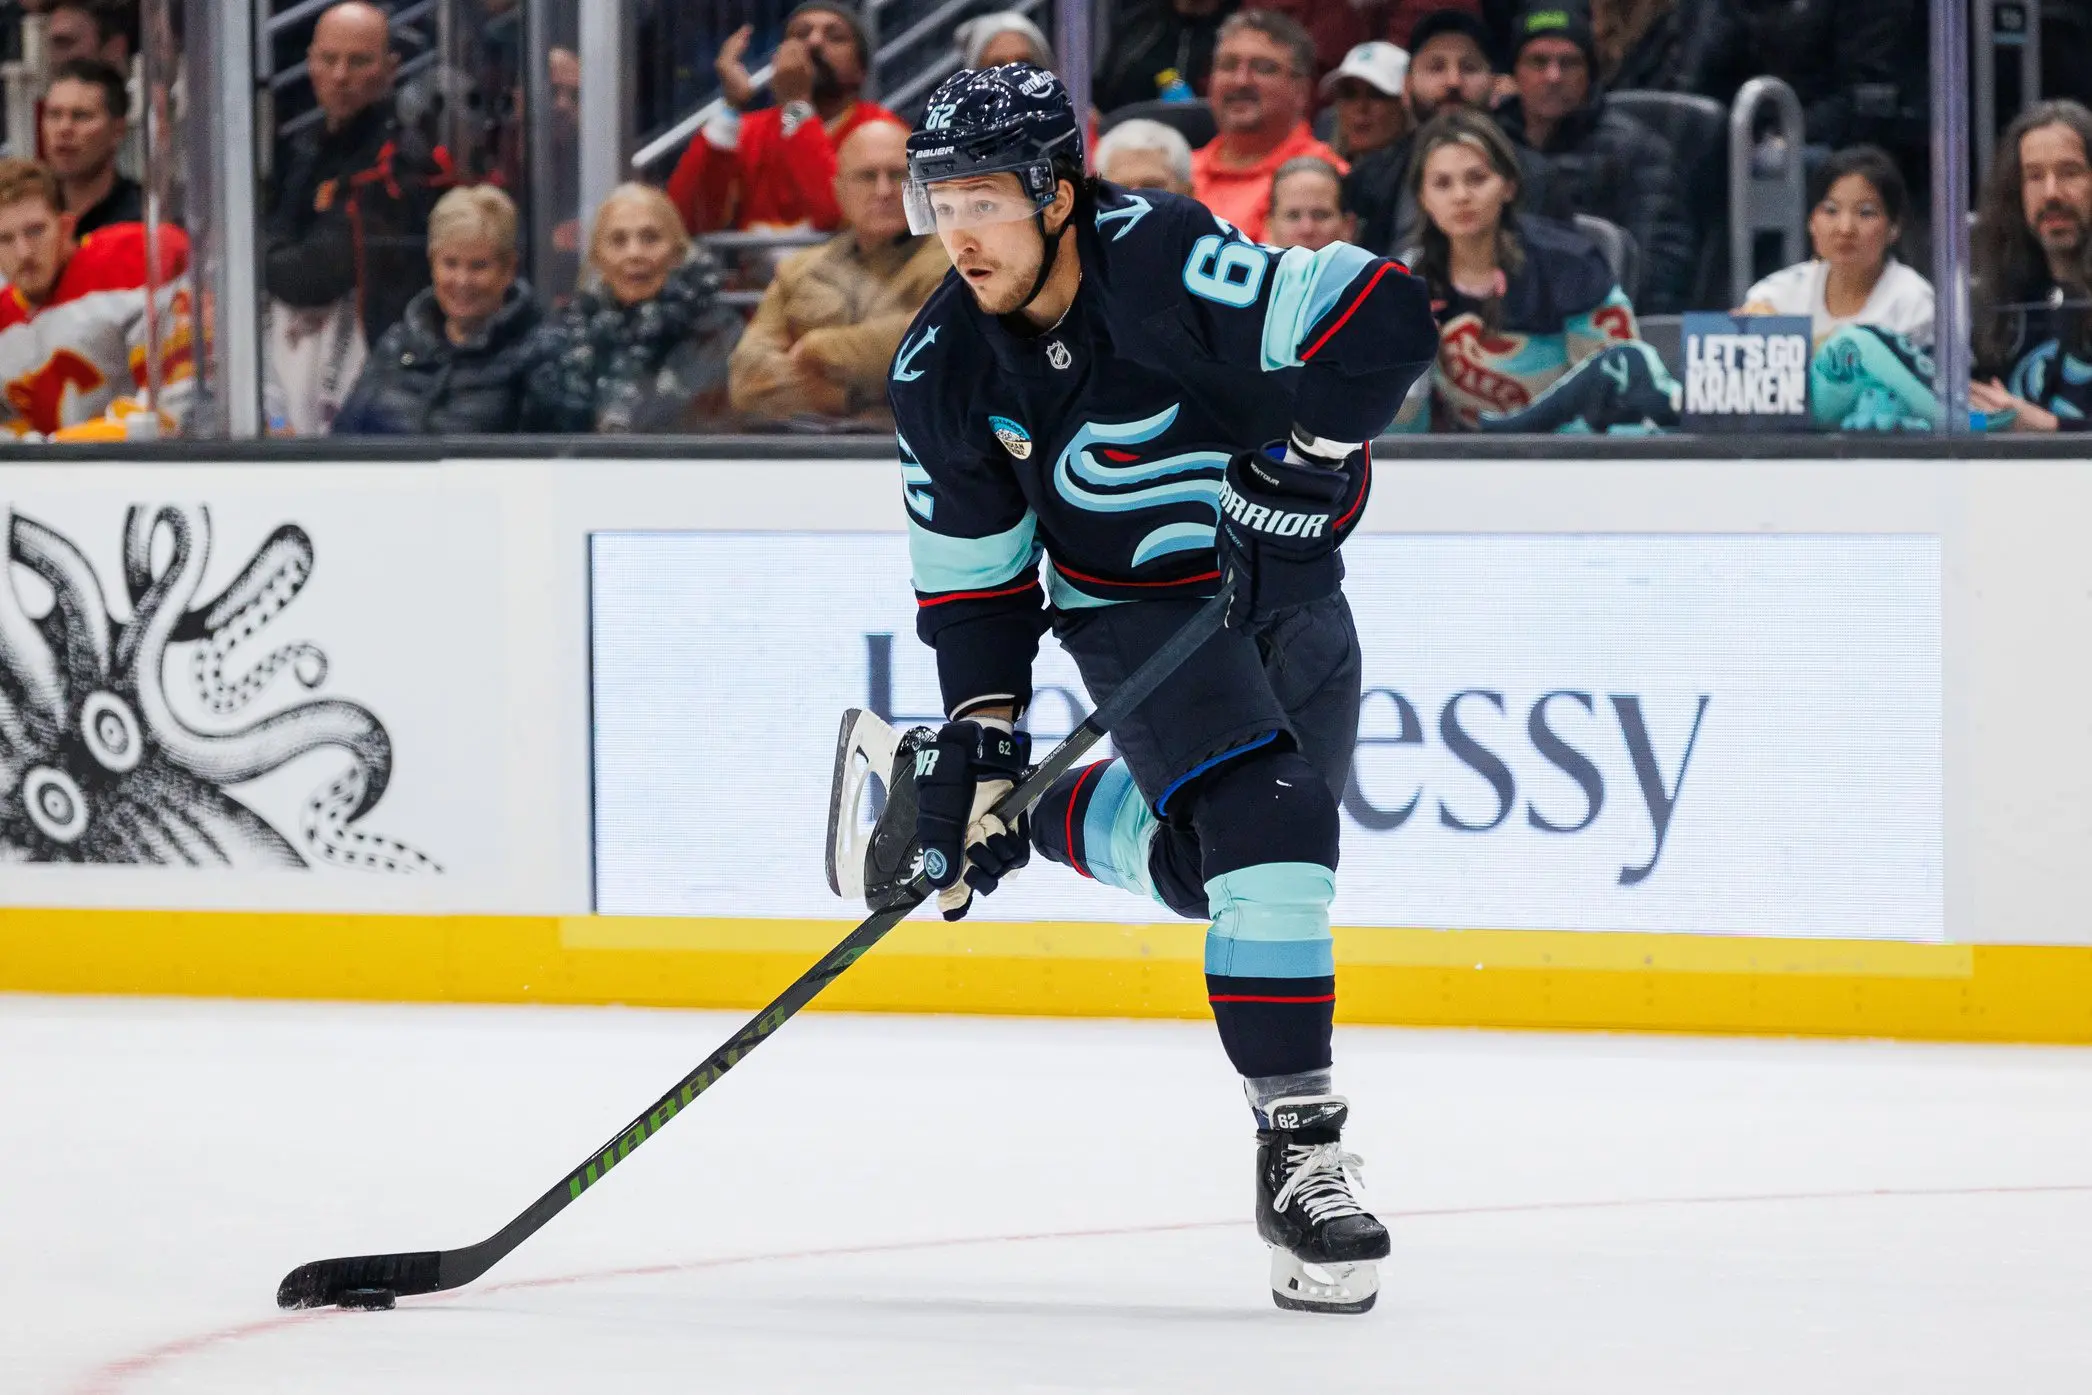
x: 325, y: 1282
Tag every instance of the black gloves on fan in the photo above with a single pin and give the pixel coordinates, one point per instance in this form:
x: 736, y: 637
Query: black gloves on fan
x: 958, y: 779
x: 1277, y: 537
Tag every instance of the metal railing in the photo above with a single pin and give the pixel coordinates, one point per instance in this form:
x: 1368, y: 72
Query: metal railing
x: 1770, y: 201
x: 877, y: 81
x: 2007, y: 35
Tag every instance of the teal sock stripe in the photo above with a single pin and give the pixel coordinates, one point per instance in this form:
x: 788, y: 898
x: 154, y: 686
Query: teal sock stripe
x: 1271, y: 921
x: 1117, y: 831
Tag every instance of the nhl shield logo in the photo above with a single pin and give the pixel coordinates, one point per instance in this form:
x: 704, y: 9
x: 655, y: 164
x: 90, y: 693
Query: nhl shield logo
x: 1057, y: 354
x: 1015, y: 439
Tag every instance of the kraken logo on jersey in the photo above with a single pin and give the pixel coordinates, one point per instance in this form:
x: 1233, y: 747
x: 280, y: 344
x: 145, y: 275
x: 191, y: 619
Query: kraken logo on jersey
x: 1192, y: 476
x: 1130, y: 213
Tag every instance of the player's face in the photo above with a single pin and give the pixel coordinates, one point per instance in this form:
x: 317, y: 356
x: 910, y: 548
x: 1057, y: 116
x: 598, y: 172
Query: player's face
x: 988, y: 231
x: 1553, y: 78
x: 1462, y: 193
x: 1450, y: 68
x: 1254, y: 87
x: 80, y: 134
x: 1367, y: 118
x: 1850, y: 229
x: 2055, y: 188
x: 471, y: 275
x: 33, y: 238
x: 1306, y: 212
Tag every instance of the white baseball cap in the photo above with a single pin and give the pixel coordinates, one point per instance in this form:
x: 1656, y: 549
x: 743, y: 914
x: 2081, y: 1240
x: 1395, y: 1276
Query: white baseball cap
x: 1378, y: 64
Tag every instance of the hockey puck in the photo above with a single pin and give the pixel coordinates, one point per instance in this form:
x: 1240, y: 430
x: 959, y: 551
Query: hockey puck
x: 370, y: 1300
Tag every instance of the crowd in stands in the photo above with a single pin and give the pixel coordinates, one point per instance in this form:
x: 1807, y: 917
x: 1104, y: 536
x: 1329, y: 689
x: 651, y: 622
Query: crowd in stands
x: 1477, y: 141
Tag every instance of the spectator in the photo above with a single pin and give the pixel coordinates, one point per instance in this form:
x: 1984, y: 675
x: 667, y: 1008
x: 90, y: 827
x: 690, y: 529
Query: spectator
x: 1845, y: 59
x: 1856, y: 212
x: 1141, y: 154
x: 1521, y: 301
x: 1261, y: 70
x: 91, y: 29
x: 1338, y: 28
x: 1651, y: 45
x: 1448, y: 67
x: 343, y: 238
x: 2032, y: 292
x: 826, y: 332
x: 85, y: 114
x: 775, y: 168
x: 73, y: 323
x: 1307, y: 205
x: 1604, y: 162
x: 1004, y: 37
x: 1366, y: 92
x: 644, y: 347
x: 1159, y: 50
x: 456, y: 362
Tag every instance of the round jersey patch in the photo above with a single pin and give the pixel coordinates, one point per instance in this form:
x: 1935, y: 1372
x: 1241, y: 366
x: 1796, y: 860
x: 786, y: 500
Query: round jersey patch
x: 1015, y: 439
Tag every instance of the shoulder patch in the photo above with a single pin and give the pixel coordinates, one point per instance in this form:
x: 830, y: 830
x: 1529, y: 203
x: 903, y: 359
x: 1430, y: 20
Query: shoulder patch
x: 1015, y: 439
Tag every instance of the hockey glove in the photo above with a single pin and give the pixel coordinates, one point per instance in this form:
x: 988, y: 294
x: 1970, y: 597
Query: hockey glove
x: 958, y: 779
x: 1277, y: 534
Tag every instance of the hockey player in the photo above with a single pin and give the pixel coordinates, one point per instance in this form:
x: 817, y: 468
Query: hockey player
x: 72, y: 319
x: 1082, y: 400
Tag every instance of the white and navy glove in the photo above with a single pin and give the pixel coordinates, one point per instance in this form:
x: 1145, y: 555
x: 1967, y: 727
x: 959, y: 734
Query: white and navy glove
x: 1277, y: 541
x: 958, y: 779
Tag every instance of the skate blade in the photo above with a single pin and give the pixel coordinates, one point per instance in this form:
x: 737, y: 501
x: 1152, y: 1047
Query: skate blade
x: 863, y: 748
x: 1301, y: 1287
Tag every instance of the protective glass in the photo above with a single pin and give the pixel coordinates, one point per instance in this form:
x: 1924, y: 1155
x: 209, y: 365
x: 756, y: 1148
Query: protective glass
x: 952, y: 204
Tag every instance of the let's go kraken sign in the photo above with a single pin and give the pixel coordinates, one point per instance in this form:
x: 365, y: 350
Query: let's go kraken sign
x: 1678, y: 733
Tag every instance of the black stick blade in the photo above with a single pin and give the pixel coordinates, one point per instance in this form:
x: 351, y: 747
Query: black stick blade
x: 322, y: 1283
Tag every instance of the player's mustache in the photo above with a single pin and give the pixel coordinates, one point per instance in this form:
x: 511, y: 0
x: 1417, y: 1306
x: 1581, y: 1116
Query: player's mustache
x: 2058, y: 207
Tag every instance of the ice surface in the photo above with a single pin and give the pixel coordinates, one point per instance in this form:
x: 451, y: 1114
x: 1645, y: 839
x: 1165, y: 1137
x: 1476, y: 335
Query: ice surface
x: 890, y: 1204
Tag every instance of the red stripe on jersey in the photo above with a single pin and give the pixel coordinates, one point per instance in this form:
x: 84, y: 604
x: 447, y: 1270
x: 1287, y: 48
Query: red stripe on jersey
x: 1349, y: 311
x: 1065, y: 570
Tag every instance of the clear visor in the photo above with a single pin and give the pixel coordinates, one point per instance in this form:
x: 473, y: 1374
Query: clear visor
x: 952, y: 204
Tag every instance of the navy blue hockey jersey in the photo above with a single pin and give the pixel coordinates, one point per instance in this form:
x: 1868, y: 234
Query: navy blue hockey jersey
x: 1088, y: 459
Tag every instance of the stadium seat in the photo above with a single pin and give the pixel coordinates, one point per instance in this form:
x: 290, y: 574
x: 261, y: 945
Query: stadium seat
x: 1698, y: 130
x: 1191, y: 120
x: 1619, y: 248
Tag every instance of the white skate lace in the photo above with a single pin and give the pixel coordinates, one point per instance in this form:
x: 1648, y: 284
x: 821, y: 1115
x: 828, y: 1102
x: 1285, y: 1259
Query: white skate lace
x: 1322, y: 1177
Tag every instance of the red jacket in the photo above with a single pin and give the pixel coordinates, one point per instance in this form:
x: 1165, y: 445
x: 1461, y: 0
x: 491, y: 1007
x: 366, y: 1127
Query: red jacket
x: 769, y: 180
x: 1337, y: 28
x: 67, y: 360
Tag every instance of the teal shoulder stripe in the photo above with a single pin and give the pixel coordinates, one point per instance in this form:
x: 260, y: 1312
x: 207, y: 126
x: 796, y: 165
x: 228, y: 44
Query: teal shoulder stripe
x: 944, y: 563
x: 1307, y: 286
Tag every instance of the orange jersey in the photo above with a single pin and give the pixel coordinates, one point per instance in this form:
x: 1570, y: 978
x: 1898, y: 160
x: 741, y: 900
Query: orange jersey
x: 69, y: 360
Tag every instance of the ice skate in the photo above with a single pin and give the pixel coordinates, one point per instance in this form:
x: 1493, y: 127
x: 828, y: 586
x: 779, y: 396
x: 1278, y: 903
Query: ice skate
x: 876, y: 864
x: 1324, y: 1245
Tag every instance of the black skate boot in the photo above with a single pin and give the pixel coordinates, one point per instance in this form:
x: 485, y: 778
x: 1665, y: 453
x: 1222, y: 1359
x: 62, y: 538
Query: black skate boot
x: 1323, y: 1243
x: 878, y: 863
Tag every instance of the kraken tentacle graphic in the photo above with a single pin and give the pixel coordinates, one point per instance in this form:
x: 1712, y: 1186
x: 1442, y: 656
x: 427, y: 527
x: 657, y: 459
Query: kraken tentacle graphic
x: 95, y: 763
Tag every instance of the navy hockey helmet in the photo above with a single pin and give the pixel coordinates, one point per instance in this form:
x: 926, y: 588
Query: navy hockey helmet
x: 1015, y: 119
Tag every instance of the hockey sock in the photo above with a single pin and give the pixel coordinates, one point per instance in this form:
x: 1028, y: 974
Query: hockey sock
x: 1096, y: 820
x: 1268, y: 832
x: 1263, y: 1089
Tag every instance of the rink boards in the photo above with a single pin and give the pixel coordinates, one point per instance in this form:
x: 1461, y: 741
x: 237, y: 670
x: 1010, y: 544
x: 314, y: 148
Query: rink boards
x: 1780, y: 746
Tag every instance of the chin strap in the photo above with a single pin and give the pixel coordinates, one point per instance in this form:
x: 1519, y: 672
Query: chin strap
x: 1052, y: 254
